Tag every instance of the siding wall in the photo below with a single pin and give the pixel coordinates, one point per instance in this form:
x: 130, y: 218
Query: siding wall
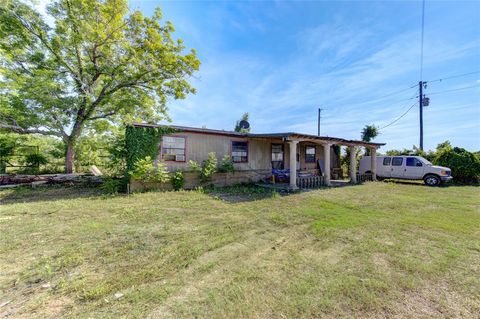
x: 198, y: 146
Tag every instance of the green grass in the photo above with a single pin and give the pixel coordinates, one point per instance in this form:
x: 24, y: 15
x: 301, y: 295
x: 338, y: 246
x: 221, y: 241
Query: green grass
x: 376, y: 250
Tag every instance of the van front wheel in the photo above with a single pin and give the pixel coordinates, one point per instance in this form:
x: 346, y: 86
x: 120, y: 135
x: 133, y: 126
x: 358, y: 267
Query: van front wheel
x: 432, y: 180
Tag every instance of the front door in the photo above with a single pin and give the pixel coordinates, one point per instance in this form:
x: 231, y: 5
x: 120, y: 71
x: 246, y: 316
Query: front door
x: 397, y: 168
x: 413, y: 168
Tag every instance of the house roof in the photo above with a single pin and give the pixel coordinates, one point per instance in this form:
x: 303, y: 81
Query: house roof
x: 285, y: 136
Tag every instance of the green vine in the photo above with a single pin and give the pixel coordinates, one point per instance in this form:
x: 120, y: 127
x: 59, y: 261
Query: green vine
x: 141, y: 142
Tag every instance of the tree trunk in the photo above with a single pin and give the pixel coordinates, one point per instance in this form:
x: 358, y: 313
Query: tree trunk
x: 70, y: 157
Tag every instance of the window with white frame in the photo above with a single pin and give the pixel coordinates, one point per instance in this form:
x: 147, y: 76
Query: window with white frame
x: 310, y: 154
x: 239, y: 152
x: 173, y: 148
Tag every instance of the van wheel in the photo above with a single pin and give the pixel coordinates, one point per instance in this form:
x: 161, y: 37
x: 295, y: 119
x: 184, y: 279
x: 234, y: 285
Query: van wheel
x: 432, y: 180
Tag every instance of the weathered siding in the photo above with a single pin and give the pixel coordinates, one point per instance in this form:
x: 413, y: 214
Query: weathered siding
x: 199, y: 145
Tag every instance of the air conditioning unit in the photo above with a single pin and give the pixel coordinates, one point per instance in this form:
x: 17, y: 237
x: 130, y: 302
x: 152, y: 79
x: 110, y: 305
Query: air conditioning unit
x: 179, y: 158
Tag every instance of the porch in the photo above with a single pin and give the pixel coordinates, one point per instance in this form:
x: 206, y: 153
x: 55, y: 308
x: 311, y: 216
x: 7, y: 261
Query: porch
x: 306, y: 169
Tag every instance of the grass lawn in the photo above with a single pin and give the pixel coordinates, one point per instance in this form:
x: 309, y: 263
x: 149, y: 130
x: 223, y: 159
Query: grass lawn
x: 378, y: 250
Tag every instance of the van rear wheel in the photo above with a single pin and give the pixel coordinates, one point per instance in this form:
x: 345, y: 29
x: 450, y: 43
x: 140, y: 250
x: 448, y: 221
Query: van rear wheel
x: 432, y: 180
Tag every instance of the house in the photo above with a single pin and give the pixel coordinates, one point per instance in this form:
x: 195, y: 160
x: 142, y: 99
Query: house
x: 255, y: 155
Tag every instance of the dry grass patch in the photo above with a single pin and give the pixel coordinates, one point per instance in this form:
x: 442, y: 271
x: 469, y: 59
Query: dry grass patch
x: 371, y: 251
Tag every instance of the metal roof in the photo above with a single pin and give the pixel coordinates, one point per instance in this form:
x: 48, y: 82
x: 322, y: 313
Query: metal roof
x: 286, y: 135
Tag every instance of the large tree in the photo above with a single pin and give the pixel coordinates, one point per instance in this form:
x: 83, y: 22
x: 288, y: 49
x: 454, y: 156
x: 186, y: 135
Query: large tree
x: 93, y: 60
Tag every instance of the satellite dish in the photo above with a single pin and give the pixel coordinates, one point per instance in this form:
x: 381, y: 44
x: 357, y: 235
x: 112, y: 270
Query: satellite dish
x: 244, y: 124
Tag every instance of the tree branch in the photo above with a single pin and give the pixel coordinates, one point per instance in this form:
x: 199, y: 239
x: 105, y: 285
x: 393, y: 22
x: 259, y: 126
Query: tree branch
x: 20, y: 130
x: 102, y: 116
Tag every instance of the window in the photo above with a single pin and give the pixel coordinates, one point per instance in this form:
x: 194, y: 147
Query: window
x: 310, y: 154
x: 412, y: 161
x: 239, y: 152
x: 397, y: 161
x: 386, y: 161
x: 173, y: 148
x: 277, y: 156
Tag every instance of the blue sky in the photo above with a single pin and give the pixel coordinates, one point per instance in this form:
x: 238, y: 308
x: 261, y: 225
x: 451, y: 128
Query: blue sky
x: 280, y: 61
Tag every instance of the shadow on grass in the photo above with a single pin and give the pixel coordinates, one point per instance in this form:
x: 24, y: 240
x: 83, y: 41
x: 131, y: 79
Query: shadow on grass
x: 421, y: 183
x: 246, y: 193
x: 27, y: 194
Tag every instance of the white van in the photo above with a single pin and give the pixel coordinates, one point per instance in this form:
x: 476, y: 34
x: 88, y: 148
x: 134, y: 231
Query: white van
x: 407, y: 167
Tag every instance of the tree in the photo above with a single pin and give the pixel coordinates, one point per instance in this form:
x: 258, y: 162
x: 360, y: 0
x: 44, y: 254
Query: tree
x: 97, y: 61
x: 465, y: 165
x: 369, y: 132
x: 238, y: 128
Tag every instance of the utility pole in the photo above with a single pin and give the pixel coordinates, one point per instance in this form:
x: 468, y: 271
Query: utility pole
x: 420, y: 103
x: 319, y: 117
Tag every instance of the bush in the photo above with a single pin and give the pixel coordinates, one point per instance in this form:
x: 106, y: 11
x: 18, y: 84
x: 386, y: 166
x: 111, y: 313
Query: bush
x: 465, y: 165
x: 112, y: 185
x: 209, y: 167
x: 145, y: 171
x: 35, y: 159
x: 226, y: 166
x: 193, y: 166
x: 178, y: 180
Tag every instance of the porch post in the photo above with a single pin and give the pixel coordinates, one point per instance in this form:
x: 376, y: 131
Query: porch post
x: 326, y: 159
x: 373, y: 163
x: 293, y: 163
x: 353, y: 164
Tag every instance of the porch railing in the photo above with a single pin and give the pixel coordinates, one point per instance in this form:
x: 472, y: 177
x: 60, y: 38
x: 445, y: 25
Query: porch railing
x: 306, y: 182
x: 364, y: 178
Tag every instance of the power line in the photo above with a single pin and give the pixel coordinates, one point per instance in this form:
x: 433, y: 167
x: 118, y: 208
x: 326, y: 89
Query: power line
x: 398, y: 118
x: 453, y: 77
x: 453, y: 90
x: 386, y: 95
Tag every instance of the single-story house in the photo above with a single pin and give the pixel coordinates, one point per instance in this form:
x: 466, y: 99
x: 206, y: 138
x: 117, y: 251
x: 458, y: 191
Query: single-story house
x: 254, y: 155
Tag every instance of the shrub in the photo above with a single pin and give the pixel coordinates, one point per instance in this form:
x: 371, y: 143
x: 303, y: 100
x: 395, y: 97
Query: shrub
x: 209, y: 167
x: 465, y: 165
x: 35, y: 159
x: 112, y: 185
x: 193, y: 166
x: 178, y: 180
x: 145, y: 171
x: 226, y: 165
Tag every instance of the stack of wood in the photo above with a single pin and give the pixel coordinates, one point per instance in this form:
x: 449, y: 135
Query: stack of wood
x: 12, y: 180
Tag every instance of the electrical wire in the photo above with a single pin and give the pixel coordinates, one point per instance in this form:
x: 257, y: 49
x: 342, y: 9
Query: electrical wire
x: 386, y: 95
x: 398, y: 118
x: 453, y: 77
x: 453, y: 90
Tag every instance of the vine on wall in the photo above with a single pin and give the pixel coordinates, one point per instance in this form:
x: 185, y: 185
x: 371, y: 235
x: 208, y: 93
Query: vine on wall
x: 141, y: 142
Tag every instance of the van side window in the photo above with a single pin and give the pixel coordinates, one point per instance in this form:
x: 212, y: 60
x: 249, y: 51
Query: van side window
x: 397, y: 161
x: 412, y: 161
x: 386, y: 161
